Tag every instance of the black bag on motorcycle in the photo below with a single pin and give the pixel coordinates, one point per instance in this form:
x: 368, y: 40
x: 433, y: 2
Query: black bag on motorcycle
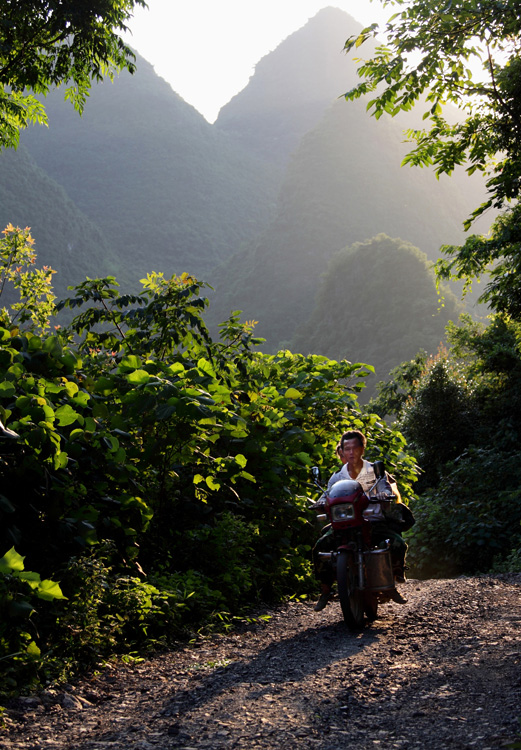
x: 399, y: 517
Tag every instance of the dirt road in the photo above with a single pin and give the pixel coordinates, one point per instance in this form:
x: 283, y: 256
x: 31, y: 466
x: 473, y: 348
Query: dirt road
x: 442, y: 671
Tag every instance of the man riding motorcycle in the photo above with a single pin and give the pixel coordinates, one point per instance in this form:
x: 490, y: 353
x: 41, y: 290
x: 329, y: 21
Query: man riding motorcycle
x: 355, y: 467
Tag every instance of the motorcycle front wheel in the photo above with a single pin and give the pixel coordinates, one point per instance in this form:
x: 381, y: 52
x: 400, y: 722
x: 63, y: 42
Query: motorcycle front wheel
x: 371, y: 607
x: 351, y: 598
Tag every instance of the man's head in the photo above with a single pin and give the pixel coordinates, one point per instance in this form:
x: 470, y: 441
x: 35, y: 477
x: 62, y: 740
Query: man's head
x: 353, y: 435
x: 353, y: 444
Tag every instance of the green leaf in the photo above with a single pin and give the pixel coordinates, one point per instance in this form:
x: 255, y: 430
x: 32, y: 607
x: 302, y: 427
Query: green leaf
x: 90, y: 425
x: 81, y: 399
x: 7, y: 389
x: 176, y: 369
x: 111, y: 442
x: 138, y: 377
x: 293, y: 394
x: 61, y: 459
x: 30, y: 577
x: 204, y: 366
x: 241, y: 460
x: 104, y: 386
x: 212, y: 483
x: 33, y: 650
x: 165, y: 411
x: 66, y: 416
x: 100, y: 410
x: 248, y: 476
x: 130, y: 362
x: 11, y: 561
x: 49, y: 590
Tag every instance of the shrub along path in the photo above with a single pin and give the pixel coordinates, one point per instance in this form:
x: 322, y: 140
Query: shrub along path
x: 442, y: 671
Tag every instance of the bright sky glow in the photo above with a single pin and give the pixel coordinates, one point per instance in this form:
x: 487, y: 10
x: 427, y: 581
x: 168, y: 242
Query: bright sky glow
x: 207, y: 49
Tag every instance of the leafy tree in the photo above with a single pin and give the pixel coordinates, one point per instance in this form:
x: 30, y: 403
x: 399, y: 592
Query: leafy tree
x: 378, y: 304
x: 393, y: 394
x: 32, y: 286
x: 439, y: 420
x: 460, y: 412
x: 160, y: 476
x: 45, y: 44
x: 431, y: 53
x: 472, y: 518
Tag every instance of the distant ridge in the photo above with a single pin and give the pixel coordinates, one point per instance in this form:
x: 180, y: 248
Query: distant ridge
x: 65, y: 238
x: 344, y: 184
x: 292, y: 86
x: 259, y: 203
x: 169, y: 191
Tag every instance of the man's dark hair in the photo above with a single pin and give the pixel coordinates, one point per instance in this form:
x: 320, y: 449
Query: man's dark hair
x: 354, y: 435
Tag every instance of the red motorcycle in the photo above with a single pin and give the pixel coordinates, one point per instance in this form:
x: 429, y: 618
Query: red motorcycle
x: 363, y: 569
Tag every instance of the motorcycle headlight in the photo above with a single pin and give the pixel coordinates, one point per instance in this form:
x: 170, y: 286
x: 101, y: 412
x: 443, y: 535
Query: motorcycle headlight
x: 342, y: 512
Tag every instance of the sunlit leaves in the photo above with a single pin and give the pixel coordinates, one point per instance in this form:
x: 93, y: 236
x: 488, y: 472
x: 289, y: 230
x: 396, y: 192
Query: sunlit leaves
x: 45, y: 45
x: 468, y: 57
x: 138, y: 430
x: 33, y: 286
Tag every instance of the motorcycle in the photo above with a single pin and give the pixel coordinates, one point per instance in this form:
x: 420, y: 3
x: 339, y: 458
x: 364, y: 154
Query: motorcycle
x: 363, y: 570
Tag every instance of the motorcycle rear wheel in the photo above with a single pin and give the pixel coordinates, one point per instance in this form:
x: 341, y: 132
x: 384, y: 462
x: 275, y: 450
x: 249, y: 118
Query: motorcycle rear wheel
x: 351, y: 598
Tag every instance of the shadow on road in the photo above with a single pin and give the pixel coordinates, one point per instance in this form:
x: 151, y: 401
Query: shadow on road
x: 288, y: 660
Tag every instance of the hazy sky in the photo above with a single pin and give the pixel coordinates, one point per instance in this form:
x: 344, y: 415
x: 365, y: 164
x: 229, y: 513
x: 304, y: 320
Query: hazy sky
x: 207, y: 49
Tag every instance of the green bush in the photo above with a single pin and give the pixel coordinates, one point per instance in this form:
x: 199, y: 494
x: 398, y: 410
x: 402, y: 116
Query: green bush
x: 160, y: 475
x: 470, y: 518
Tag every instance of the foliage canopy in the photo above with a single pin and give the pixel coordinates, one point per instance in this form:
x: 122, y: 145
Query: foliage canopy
x: 464, y: 53
x: 460, y: 412
x: 45, y: 44
x: 391, y: 282
x: 164, y: 473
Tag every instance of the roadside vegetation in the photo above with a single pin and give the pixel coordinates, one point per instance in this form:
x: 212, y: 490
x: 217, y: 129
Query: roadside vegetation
x: 460, y: 409
x: 154, y: 478
x: 160, y: 477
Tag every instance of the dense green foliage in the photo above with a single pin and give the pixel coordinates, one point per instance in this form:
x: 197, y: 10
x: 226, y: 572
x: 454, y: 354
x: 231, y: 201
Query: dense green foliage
x: 46, y: 44
x: 460, y: 412
x: 463, y: 53
x: 192, y: 195
x: 160, y: 477
x: 430, y: 56
x: 373, y: 296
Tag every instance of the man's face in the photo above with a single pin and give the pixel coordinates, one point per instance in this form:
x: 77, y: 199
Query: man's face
x: 352, y: 451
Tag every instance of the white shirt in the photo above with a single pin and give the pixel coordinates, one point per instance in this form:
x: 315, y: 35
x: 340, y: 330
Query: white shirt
x: 366, y: 477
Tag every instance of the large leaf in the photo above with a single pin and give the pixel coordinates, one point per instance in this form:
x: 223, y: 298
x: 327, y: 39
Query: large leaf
x: 66, y: 416
x: 49, y: 590
x: 11, y: 561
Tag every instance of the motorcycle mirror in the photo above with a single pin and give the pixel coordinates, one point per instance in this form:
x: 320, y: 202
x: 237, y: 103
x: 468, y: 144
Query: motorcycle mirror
x: 316, y: 472
x: 379, y: 469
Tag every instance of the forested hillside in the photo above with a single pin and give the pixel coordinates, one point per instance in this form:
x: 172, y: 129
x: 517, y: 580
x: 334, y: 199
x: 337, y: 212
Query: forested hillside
x: 168, y: 190
x: 344, y: 184
x: 65, y: 238
x: 155, y: 477
x: 292, y: 87
x: 371, y: 299
x: 256, y: 204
